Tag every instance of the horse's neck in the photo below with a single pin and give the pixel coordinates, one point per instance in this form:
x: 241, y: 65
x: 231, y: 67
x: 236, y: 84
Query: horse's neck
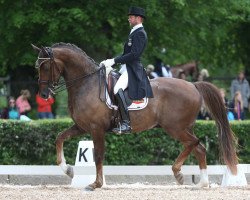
x: 84, y: 95
x: 82, y: 84
x: 79, y: 77
x: 74, y: 64
x: 77, y: 73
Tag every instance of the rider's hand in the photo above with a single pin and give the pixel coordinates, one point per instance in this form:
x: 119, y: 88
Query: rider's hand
x: 108, y: 63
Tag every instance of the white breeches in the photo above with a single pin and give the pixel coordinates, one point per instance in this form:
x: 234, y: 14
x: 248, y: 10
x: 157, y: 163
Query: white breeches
x: 122, y: 82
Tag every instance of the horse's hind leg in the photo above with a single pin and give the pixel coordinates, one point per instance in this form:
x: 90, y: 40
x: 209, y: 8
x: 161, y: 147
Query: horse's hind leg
x: 190, y: 142
x: 72, y: 131
x: 200, y: 154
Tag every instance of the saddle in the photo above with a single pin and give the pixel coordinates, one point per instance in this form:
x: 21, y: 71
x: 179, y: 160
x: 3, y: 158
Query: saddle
x: 112, y: 80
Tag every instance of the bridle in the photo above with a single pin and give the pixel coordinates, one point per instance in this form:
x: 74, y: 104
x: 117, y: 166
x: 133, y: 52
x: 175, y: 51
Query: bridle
x: 55, y: 86
x: 51, y: 82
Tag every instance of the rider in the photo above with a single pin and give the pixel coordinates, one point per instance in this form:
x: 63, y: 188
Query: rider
x: 133, y: 75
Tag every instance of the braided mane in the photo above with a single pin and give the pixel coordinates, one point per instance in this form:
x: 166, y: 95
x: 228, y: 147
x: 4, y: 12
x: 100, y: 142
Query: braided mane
x: 72, y: 47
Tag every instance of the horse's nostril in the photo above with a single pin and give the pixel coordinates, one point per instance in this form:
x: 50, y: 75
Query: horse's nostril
x: 44, y: 95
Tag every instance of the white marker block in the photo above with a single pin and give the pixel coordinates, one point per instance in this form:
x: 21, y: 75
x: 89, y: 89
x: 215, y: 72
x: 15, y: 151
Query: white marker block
x: 84, y: 157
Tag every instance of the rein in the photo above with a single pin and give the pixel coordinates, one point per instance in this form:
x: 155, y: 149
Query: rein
x: 56, y: 87
x: 102, y: 75
x: 72, y: 81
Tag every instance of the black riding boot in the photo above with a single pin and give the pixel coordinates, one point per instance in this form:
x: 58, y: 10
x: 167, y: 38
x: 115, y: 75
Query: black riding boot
x: 125, y: 124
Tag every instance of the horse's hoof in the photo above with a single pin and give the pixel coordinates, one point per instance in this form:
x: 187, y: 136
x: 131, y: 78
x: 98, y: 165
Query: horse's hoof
x: 89, y: 188
x: 93, y: 186
x: 70, y: 171
x: 202, y: 184
x: 179, y: 177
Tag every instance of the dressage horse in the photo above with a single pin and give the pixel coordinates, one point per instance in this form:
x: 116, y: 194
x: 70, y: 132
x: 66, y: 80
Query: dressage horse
x: 190, y: 69
x: 174, y: 108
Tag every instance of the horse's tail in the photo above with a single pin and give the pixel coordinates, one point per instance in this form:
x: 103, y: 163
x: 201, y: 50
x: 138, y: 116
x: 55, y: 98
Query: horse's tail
x: 216, y: 107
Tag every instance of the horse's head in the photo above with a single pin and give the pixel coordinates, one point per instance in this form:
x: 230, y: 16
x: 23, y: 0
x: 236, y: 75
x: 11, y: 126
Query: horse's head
x: 190, y: 69
x: 49, y: 71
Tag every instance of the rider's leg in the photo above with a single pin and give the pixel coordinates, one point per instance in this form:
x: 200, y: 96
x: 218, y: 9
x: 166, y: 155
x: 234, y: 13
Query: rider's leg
x: 120, y: 86
x: 122, y: 82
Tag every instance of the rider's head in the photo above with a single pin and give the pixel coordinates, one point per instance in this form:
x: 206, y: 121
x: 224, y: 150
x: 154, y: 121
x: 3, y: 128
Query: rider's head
x: 136, y: 15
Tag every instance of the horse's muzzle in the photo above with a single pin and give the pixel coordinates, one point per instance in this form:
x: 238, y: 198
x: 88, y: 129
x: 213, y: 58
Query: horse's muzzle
x: 45, y: 93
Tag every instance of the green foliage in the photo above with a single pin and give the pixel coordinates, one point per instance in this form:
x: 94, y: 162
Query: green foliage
x: 33, y: 143
x: 3, y: 102
x: 29, y: 142
x: 61, y: 104
x: 216, y: 32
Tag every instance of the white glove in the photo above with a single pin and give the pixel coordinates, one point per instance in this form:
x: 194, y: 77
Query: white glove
x: 108, y: 62
x: 108, y: 70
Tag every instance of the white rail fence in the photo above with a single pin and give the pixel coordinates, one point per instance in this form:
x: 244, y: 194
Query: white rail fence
x: 114, y: 170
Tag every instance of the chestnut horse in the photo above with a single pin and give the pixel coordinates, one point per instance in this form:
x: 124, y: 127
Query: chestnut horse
x: 174, y: 108
x: 190, y: 69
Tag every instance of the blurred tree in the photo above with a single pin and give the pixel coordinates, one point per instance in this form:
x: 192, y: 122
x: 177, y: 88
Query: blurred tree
x: 214, y: 32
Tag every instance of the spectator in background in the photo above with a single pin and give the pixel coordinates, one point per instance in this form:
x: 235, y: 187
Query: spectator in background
x: 162, y: 70
x: 181, y: 74
x: 203, y: 114
x: 230, y: 115
x: 242, y: 85
x: 205, y: 74
x: 200, y: 77
x: 44, y: 107
x: 22, y: 102
x: 11, y: 112
x: 166, y: 71
x: 223, y: 95
x: 150, y: 72
x: 237, y: 105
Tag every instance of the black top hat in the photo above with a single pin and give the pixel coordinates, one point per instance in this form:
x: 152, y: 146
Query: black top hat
x: 137, y: 11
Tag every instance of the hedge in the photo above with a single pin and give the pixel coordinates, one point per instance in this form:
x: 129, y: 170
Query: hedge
x: 33, y: 143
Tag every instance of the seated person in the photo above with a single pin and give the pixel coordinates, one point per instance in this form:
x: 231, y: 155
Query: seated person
x: 11, y: 112
x: 181, y: 74
x: 230, y: 115
x: 22, y: 102
x: 162, y: 70
x: 150, y: 72
x: 237, y: 105
x: 44, y: 107
x: 203, y: 114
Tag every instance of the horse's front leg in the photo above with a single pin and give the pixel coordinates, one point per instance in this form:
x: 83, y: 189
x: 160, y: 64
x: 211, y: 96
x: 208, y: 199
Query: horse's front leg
x: 61, y: 161
x: 99, y: 146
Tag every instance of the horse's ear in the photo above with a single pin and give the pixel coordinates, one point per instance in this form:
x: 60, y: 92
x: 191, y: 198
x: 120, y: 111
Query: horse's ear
x: 44, y: 50
x: 37, y: 49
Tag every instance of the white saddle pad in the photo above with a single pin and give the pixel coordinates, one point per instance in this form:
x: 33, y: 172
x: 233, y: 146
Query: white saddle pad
x: 136, y: 105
